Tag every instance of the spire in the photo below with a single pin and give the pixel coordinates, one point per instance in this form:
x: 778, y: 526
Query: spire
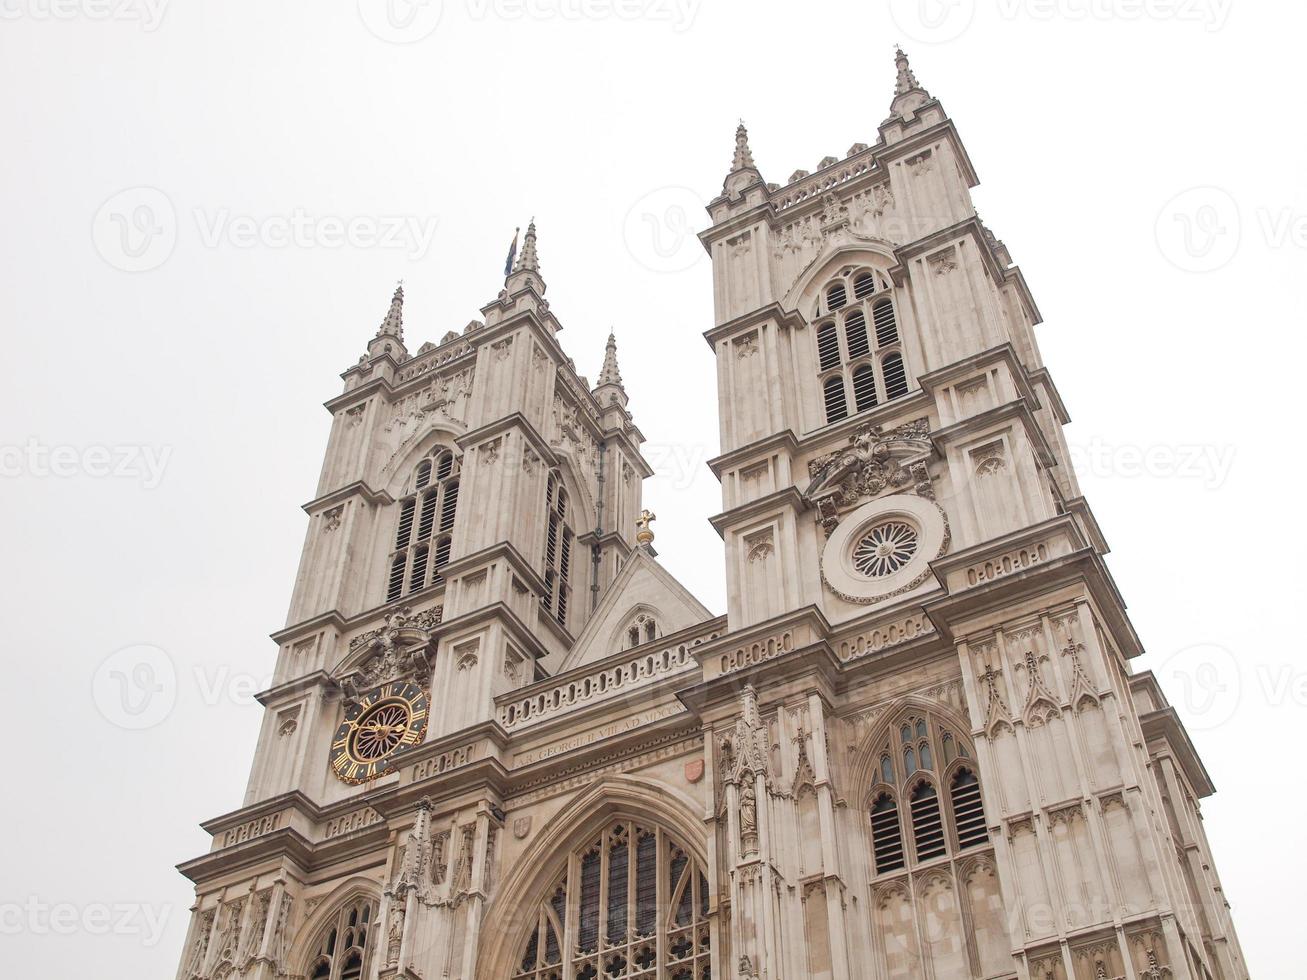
x: 528, y: 261
x: 393, y: 324
x: 609, y: 374
x: 906, y: 80
x: 390, y: 335
x: 743, y: 156
x: 908, y: 93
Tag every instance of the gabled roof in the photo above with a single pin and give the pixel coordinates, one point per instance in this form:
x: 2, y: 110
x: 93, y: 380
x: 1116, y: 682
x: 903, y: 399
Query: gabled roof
x: 643, y: 585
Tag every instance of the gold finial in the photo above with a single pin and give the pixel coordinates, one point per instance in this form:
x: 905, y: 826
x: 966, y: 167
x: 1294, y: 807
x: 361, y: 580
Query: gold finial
x: 645, y: 535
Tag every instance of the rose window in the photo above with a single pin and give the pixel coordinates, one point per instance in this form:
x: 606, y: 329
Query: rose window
x: 380, y: 730
x: 885, y: 549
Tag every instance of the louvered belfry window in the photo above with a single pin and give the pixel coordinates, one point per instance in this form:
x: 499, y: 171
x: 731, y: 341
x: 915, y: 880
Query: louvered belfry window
x: 630, y: 905
x: 925, y: 803
x: 558, y: 552
x: 859, y: 349
x: 424, y: 530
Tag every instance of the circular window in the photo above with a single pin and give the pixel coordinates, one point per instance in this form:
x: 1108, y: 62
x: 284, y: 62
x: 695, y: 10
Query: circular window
x: 380, y: 730
x: 885, y: 549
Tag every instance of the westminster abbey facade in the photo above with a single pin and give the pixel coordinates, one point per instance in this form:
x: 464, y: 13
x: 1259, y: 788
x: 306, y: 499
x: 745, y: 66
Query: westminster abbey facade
x: 503, y: 743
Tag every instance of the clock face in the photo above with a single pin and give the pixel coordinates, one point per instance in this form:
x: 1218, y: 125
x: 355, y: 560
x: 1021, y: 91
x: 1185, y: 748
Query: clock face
x: 383, y: 723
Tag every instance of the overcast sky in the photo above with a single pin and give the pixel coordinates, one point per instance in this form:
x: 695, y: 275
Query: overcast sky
x: 178, y: 302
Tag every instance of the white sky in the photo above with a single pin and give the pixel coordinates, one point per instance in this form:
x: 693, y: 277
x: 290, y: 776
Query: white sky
x: 1083, y: 121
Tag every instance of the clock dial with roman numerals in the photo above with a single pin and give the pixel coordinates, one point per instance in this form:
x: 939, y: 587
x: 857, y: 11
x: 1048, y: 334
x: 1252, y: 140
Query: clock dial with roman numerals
x: 376, y: 729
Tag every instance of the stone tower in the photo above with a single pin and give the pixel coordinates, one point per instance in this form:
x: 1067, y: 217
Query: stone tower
x: 503, y: 742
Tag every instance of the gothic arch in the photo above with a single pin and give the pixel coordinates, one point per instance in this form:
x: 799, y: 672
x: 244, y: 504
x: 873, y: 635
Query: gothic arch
x: 511, y: 915
x: 394, y: 475
x: 577, y: 488
x: 617, y: 640
x: 874, y: 252
x: 866, y: 764
x: 302, y: 951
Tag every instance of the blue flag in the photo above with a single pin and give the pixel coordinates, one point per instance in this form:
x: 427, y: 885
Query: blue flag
x: 512, y: 254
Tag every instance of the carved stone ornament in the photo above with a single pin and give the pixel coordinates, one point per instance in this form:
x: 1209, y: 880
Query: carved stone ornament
x: 876, y: 461
x: 399, y: 649
x: 848, y: 562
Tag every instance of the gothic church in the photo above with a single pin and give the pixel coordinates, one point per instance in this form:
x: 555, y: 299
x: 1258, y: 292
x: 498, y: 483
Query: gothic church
x: 503, y: 743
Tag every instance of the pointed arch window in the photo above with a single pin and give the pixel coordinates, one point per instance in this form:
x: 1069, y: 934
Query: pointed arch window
x: 859, y: 350
x: 343, y: 948
x: 926, y: 801
x: 558, y: 552
x: 632, y: 903
x: 424, y: 531
x: 643, y: 629
x: 886, y: 834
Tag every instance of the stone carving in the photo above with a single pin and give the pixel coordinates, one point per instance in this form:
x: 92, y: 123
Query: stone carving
x: 875, y: 461
x: 996, y: 709
x: 331, y: 519
x: 748, y: 819
x: 521, y: 827
x: 399, y: 650
x: 439, y: 866
x: 1040, y: 701
x: 833, y: 210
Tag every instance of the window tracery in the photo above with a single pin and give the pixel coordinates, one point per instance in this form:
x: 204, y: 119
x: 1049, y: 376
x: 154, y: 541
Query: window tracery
x: 631, y: 904
x: 424, y: 533
x: 342, y: 950
x: 859, y: 350
x: 926, y: 801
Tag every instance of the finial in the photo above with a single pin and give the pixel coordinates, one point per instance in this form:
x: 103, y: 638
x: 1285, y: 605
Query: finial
x: 743, y: 156
x: 906, y: 80
x: 645, y: 536
x: 393, y: 324
x: 609, y: 373
x: 528, y: 261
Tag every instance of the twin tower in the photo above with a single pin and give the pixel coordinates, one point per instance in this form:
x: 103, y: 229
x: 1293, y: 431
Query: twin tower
x: 503, y: 743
